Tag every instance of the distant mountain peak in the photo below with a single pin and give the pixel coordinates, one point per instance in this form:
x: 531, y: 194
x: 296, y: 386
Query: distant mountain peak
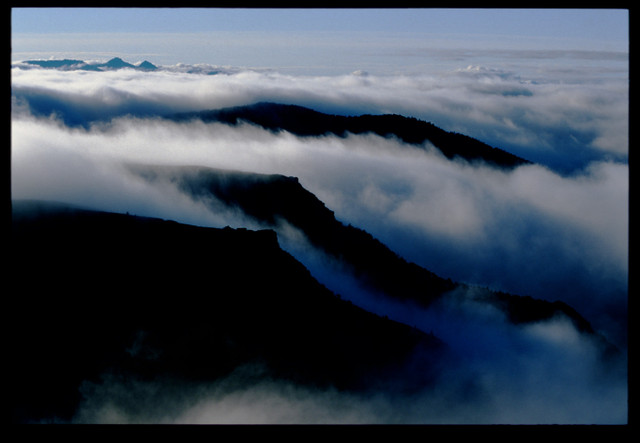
x: 117, y: 62
x: 146, y: 65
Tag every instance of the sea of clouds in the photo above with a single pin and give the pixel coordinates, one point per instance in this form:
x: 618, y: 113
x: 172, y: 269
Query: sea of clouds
x: 556, y: 229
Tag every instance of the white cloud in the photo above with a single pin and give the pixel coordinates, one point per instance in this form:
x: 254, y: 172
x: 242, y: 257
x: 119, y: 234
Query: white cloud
x: 530, y: 231
x: 547, y: 121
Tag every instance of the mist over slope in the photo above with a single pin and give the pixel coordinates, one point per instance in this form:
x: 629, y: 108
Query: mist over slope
x: 145, y: 298
x: 154, y: 321
x: 281, y: 203
x: 555, y: 234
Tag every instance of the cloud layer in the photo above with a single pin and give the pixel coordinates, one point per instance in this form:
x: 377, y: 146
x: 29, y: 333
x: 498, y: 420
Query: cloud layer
x: 563, y: 118
x: 532, y: 231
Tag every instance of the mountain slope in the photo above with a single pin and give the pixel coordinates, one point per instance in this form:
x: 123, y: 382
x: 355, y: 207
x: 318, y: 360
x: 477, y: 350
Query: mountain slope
x: 303, y: 121
x: 271, y: 198
x: 146, y: 298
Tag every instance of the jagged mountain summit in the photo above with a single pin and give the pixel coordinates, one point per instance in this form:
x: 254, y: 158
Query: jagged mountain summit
x: 303, y: 121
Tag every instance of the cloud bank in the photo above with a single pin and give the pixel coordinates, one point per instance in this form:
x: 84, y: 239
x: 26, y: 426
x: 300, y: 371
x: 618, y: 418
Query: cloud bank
x: 563, y: 119
x: 535, y: 230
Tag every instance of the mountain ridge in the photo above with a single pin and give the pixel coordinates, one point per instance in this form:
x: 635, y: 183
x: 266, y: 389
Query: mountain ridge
x: 71, y: 64
x: 269, y: 198
x: 304, y: 122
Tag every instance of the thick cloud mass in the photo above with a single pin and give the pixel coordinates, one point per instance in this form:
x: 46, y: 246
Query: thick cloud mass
x: 535, y: 230
x: 563, y: 118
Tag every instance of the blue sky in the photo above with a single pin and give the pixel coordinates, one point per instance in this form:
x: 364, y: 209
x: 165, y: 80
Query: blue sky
x: 601, y: 25
x: 313, y: 38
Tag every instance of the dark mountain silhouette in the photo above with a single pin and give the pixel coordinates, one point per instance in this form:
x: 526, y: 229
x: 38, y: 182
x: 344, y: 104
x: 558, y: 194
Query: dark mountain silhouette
x: 303, y: 121
x: 270, y: 198
x: 143, y: 298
